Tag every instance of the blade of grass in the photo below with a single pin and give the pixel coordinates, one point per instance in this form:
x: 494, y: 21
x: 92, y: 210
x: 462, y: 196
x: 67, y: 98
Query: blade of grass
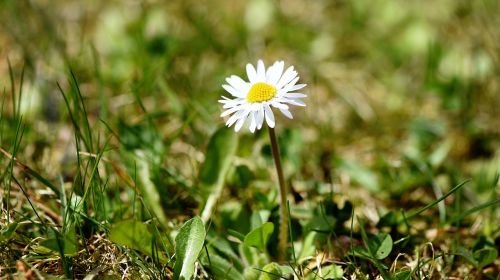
x: 430, y: 205
x: 30, y: 171
x: 473, y: 210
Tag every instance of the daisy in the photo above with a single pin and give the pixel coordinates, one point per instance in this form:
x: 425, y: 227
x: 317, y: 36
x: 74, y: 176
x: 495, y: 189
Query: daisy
x: 254, y: 101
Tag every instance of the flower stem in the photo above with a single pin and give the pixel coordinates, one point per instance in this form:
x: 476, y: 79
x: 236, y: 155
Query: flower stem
x: 283, y: 234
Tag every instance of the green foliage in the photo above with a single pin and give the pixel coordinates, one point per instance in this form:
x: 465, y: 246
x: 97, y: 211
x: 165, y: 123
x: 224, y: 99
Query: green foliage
x: 188, y: 244
x: 271, y: 271
x: 332, y: 271
x: 135, y: 235
x: 8, y: 232
x: 221, y: 268
x: 379, y: 247
x: 259, y: 236
x: 481, y: 257
x: 220, y: 150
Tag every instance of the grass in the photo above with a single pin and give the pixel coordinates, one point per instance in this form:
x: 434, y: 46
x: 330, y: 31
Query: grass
x: 111, y: 142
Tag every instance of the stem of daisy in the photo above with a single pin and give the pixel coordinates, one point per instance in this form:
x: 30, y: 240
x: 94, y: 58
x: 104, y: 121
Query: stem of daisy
x: 283, y: 234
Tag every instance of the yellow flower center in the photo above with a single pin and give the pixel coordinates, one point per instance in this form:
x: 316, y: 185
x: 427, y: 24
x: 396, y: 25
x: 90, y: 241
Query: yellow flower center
x: 260, y: 92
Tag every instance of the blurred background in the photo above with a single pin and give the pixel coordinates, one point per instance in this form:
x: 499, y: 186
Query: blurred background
x: 387, y: 79
x: 403, y: 96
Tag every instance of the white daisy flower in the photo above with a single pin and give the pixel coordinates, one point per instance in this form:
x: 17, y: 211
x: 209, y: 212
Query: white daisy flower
x: 253, y: 101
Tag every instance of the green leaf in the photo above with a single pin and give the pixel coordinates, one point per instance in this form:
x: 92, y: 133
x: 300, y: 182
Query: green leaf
x: 252, y: 256
x: 485, y: 256
x: 67, y: 244
x: 221, y: 148
x: 188, y: 244
x: 259, y: 236
x: 7, y: 232
x: 308, y: 247
x: 220, y: 151
x: 467, y: 255
x: 236, y: 234
x: 143, y: 150
x: 250, y: 273
x: 271, y: 271
x: 259, y: 217
x: 381, y: 245
x: 332, y: 271
x: 222, y: 246
x: 402, y: 275
x: 135, y: 235
x: 321, y: 223
x: 220, y: 267
x: 147, y: 187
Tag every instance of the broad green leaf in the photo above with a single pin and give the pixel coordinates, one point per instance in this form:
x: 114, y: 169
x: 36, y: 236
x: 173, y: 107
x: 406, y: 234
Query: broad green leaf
x: 381, y: 245
x: 361, y: 252
x: 321, y: 223
x: 308, y: 247
x: 271, y: 271
x: 250, y: 273
x: 467, y: 255
x: 135, y: 235
x: 220, y: 151
x: 332, y: 271
x: 251, y: 256
x: 259, y: 217
x: 375, y: 247
x: 255, y: 220
x: 222, y: 246
x: 7, y: 232
x: 485, y: 256
x: 259, y: 236
x: 220, y: 267
x: 188, y: 244
x: 54, y: 245
x: 67, y: 244
x: 148, y: 189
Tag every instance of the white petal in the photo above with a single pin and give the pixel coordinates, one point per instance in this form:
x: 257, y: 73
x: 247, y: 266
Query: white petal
x: 297, y: 87
x: 261, y: 71
x: 279, y: 105
x: 260, y: 117
x: 230, y: 111
x: 253, y: 123
x: 251, y: 73
x: 286, y: 113
x: 274, y: 72
x: 232, y: 103
x: 296, y: 102
x: 270, y: 72
x: 233, y: 91
x: 242, y: 113
x: 287, y: 77
x: 238, y: 83
x: 239, y: 124
x: 269, y: 116
x: 294, y: 95
x: 232, y: 119
x: 288, y: 86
